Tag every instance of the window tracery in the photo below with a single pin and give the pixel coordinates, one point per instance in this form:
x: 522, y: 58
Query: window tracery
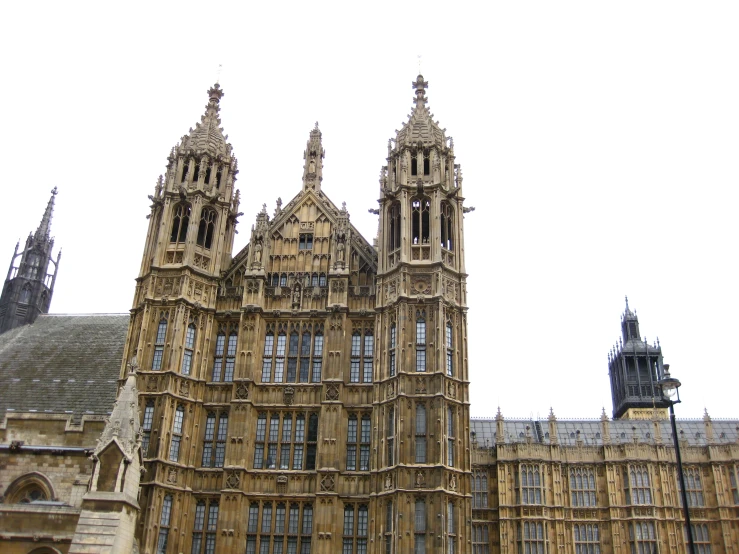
x: 289, y: 438
x: 180, y: 223
x: 303, y: 352
x: 214, y: 442
x: 206, y: 228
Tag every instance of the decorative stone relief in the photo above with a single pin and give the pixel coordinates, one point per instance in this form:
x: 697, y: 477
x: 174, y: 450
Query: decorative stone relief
x: 242, y: 391
x: 328, y: 482
x: 185, y: 388
x: 151, y: 383
x: 288, y: 396
x: 332, y: 391
x: 420, y: 480
x: 420, y: 385
x: 233, y: 480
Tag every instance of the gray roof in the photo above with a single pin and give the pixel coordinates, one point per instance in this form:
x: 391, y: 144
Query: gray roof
x: 62, y: 364
x: 589, y: 432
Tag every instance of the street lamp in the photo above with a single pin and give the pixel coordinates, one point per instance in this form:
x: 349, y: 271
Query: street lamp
x: 671, y: 394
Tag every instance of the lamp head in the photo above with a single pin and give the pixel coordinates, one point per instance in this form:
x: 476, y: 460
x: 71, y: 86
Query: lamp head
x: 670, y: 385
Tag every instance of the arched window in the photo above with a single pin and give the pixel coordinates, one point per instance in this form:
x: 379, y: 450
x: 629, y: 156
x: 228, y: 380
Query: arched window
x: 414, y: 165
x: 394, y: 227
x: 449, y: 350
x: 180, y: 221
x: 185, y: 169
x: 447, y: 227
x: 164, y: 524
x: 206, y: 228
x: 393, y: 344
x: 219, y: 172
x: 420, y: 433
x: 156, y: 362
x: 420, y: 344
x: 426, y: 165
x: 146, y: 428
x: 207, y: 175
x: 25, y: 294
x: 420, y: 208
x: 196, y: 173
x: 174, y: 445
x: 31, y: 487
x: 189, y: 345
x: 214, y: 443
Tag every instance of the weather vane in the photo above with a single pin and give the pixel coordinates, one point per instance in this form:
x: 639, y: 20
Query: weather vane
x: 218, y: 75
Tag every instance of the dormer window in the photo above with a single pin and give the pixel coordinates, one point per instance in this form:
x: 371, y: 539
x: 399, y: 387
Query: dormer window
x: 306, y: 241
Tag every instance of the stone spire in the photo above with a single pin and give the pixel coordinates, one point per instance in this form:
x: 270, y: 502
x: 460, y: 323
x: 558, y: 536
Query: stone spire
x: 208, y: 137
x: 421, y: 128
x: 44, y: 228
x: 313, y: 156
x: 123, y: 425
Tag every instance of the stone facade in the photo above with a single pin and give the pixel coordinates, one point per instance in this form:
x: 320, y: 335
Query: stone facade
x: 310, y: 394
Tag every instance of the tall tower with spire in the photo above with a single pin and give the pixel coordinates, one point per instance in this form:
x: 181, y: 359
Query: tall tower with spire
x: 635, y: 367
x: 421, y: 395
x: 29, y: 284
x: 173, y: 319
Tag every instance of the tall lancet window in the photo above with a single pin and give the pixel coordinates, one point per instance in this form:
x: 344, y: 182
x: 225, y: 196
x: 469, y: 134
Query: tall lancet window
x: 447, y: 227
x: 189, y: 345
x: 156, y: 362
x: 206, y: 228
x: 449, y: 350
x: 394, y: 227
x: 420, y: 344
x: 180, y: 222
x: 420, y: 208
x: 393, y: 344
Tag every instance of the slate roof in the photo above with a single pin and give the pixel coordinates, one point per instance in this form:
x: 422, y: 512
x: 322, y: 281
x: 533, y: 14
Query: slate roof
x: 590, y: 432
x: 62, y: 364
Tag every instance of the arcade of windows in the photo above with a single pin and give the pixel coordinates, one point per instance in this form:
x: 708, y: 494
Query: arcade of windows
x: 303, y: 354
x: 362, y: 353
x: 586, y: 538
x: 204, y: 527
x: 358, y: 438
x: 642, y: 538
x: 529, y: 484
x: 224, y: 359
x: 181, y: 222
x: 356, y: 519
x: 282, y: 441
x: 636, y: 485
x: 479, y: 489
x: 214, y: 441
x: 420, y: 224
x: 480, y: 539
x: 701, y: 538
x: 420, y: 216
x: 279, y: 528
x: 421, y: 532
x: 693, y: 487
x: 197, y: 171
x: 531, y: 537
x: 286, y: 279
x: 582, y: 487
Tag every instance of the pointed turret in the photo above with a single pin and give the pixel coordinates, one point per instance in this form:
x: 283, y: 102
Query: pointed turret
x: 313, y: 156
x: 635, y: 367
x: 110, y: 507
x: 42, y: 233
x: 421, y: 128
x: 30, y: 280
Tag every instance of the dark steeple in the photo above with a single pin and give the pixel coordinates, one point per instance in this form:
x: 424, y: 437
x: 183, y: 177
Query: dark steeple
x: 635, y: 367
x: 29, y: 285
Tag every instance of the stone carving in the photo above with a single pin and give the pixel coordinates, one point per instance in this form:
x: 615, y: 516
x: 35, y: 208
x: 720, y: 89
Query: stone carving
x: 172, y: 475
x: 151, y: 383
x: 420, y: 385
x: 452, y: 390
x: 185, y: 388
x: 338, y: 286
x: 420, y: 480
x: 288, y: 396
x: 242, y: 391
x: 453, y: 482
x: 388, y: 482
x: 233, y: 480
x: 332, y: 391
x: 328, y: 482
x: 390, y: 390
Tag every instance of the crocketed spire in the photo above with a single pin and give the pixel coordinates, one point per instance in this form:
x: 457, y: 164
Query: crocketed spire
x: 208, y: 137
x: 420, y: 126
x: 123, y: 425
x: 313, y: 165
x: 44, y: 228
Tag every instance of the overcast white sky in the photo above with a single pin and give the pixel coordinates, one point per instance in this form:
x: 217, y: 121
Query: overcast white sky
x: 598, y: 141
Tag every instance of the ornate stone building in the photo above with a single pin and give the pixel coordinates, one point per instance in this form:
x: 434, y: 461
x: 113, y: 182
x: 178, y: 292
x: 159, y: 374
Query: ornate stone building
x: 309, y: 394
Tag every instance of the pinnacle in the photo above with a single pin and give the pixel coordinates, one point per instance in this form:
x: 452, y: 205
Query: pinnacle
x: 207, y: 137
x: 44, y: 228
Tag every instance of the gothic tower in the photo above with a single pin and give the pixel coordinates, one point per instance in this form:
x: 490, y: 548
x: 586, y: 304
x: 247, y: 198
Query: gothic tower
x: 30, y: 282
x: 635, y: 367
x: 421, y: 409
x: 191, y: 229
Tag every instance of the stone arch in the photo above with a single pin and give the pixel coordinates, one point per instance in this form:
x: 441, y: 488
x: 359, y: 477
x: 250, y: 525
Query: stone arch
x: 45, y: 550
x: 29, y: 487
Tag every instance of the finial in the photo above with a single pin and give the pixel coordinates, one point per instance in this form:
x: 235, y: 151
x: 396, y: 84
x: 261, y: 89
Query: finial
x: 44, y: 228
x: 627, y: 304
x: 499, y: 415
x: 603, y: 415
x: 420, y: 86
x: 316, y: 127
x: 215, y: 93
x: 552, y: 417
x: 419, y: 64
x: 218, y: 74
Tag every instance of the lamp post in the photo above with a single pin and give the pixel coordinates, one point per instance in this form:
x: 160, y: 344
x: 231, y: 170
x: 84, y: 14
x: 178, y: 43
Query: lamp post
x: 670, y: 393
